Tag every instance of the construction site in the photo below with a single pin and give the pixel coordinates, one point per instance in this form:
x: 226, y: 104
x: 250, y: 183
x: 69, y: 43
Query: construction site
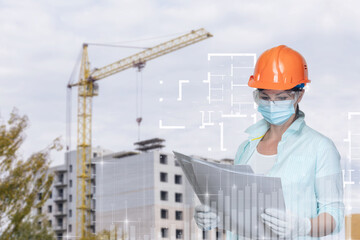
x: 179, y: 120
x: 87, y: 217
x: 135, y: 194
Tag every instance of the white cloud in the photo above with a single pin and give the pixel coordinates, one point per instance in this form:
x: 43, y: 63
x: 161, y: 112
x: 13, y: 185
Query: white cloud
x: 40, y: 43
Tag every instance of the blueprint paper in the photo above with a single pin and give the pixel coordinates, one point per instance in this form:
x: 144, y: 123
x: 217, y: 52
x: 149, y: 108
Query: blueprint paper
x: 235, y: 193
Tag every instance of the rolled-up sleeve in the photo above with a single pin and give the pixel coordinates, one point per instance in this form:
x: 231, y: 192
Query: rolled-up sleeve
x: 329, y: 183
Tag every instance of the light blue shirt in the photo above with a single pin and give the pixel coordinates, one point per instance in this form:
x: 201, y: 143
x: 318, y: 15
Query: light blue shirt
x: 309, y: 167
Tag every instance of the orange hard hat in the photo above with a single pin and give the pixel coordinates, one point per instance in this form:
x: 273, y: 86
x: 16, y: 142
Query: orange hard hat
x: 279, y: 68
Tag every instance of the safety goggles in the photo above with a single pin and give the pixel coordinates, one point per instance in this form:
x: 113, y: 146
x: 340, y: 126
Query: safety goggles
x: 265, y: 95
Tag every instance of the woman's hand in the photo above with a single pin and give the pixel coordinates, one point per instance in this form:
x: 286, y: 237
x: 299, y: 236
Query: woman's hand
x: 285, y: 224
x: 204, y: 218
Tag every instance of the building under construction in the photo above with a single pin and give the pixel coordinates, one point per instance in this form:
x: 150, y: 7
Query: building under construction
x: 140, y: 194
x: 87, y: 89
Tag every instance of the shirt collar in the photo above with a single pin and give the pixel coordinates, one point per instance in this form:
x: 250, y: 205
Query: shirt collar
x: 258, y: 129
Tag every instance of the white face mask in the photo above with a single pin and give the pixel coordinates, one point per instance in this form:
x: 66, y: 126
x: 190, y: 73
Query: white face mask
x: 279, y: 111
x: 276, y: 112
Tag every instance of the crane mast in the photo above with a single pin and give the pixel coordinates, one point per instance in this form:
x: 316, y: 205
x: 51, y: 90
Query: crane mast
x: 83, y: 159
x: 87, y: 89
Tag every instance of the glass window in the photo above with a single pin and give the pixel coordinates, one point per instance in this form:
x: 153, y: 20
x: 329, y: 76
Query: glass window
x: 178, y: 197
x: 179, y: 233
x: 164, y: 232
x: 164, y: 195
x: 178, y: 215
x: 163, y: 177
x: 60, y: 207
x: 164, y: 214
x: 49, y: 208
x: 61, y: 178
x: 60, y: 193
x: 178, y: 179
x: 163, y: 159
x: 70, y: 168
x: 60, y: 222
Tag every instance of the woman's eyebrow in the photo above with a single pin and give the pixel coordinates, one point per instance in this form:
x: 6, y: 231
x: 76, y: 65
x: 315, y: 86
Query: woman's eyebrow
x: 276, y: 94
x: 282, y: 93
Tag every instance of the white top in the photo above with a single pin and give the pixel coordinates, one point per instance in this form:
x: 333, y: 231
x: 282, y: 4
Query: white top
x: 261, y: 163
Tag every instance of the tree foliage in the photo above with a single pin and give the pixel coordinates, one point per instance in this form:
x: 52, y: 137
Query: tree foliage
x: 34, y: 228
x: 21, y: 180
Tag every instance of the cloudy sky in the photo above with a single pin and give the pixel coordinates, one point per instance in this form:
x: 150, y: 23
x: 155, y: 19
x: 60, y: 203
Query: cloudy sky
x: 40, y: 42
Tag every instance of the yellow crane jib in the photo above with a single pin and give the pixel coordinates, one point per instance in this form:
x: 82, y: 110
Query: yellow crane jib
x: 87, y: 88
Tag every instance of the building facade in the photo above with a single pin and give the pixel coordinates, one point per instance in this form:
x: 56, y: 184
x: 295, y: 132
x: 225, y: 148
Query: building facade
x: 138, y: 195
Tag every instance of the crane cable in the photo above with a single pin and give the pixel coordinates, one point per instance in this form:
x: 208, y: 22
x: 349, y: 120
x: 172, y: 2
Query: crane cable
x: 139, y: 98
x: 74, y: 72
x: 116, y: 45
x: 140, y: 40
x: 68, y: 118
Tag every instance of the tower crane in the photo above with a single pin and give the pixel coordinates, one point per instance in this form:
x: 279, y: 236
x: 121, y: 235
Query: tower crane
x: 87, y: 89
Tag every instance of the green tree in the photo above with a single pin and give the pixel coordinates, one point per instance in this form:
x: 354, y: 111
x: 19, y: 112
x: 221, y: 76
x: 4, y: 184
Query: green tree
x: 34, y: 228
x: 21, y: 180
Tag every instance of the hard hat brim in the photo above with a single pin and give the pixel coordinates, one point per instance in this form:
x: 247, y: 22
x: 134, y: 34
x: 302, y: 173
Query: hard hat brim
x: 271, y: 85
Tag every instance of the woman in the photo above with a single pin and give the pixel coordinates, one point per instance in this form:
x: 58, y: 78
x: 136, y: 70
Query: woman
x: 282, y: 145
